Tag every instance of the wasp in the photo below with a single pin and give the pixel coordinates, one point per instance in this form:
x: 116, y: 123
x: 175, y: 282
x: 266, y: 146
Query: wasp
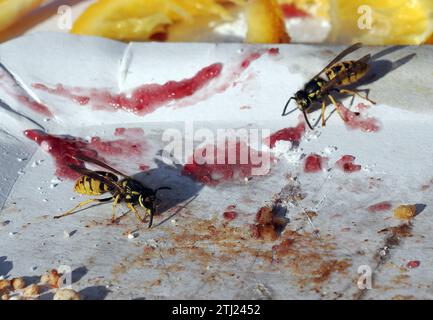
x: 339, y: 74
x: 129, y: 190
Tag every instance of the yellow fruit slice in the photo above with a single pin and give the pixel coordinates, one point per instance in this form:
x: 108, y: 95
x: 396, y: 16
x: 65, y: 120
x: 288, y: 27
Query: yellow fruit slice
x: 265, y: 22
x: 382, y: 22
x: 12, y: 10
x: 141, y: 19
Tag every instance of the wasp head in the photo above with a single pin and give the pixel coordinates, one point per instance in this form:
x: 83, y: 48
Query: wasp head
x: 302, y: 100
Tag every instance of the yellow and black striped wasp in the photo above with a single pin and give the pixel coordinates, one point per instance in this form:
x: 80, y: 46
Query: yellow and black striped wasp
x: 129, y: 190
x: 339, y: 74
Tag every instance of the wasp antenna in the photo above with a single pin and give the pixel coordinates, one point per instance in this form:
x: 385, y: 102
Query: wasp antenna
x: 285, y: 107
x: 306, y: 119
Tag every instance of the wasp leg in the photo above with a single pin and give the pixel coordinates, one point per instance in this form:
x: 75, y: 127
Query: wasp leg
x: 82, y: 204
x: 134, y: 210
x: 323, y: 114
x: 116, y: 202
x: 355, y: 93
x: 336, y: 107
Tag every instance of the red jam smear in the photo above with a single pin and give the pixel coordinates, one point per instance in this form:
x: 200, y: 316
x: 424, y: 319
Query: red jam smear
x: 35, y: 106
x: 210, y: 172
x: 250, y: 58
x: 274, y: 51
x: 129, y: 132
x: 7, y: 84
x: 291, y: 11
x: 354, y: 120
x: 144, y: 99
x: 346, y: 164
x: 64, y: 149
x: 413, y: 264
x: 314, y: 163
x: 230, y: 215
x: 293, y: 134
x: 381, y: 206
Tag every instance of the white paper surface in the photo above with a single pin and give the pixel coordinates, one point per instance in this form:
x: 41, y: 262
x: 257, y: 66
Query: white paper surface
x: 395, y: 165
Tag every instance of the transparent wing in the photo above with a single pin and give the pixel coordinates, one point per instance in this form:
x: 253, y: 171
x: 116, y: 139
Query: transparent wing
x: 101, y: 164
x: 340, y: 56
x: 341, y: 75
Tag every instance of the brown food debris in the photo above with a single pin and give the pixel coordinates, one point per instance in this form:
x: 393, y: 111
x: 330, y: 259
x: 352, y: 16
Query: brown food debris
x: 18, y: 283
x: 4, y: 285
x: 31, y: 291
x: 51, y: 278
x: 405, y: 211
x: 5, y: 297
x: 403, y: 297
x: 328, y: 267
x: 264, y: 216
x: 403, y: 231
x: 268, y: 224
x: 66, y: 294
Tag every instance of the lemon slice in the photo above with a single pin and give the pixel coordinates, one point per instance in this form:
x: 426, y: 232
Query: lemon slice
x: 265, y: 22
x: 141, y: 19
x: 382, y: 22
x: 12, y: 10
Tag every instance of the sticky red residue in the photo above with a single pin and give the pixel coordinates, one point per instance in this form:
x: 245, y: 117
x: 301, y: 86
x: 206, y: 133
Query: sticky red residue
x: 293, y: 134
x: 143, y: 167
x: 381, y: 206
x: 362, y: 106
x: 60, y: 90
x: 144, y: 99
x: 7, y: 84
x: 347, y: 165
x: 116, y: 147
x: 314, y: 163
x: 64, y: 149
x: 355, y: 120
x: 35, y: 106
x: 250, y: 58
x: 230, y: 215
x: 274, y: 51
x: 291, y: 11
x: 129, y: 132
x: 233, y: 162
x: 413, y: 264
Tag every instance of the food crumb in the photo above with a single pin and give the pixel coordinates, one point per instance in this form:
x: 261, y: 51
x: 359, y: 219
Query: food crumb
x: 66, y: 294
x: 31, y: 291
x: 405, y: 211
x: 18, y: 283
x: 51, y: 278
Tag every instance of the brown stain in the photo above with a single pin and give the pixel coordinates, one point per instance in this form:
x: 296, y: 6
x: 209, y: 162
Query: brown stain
x: 401, y: 280
x: 403, y: 297
x: 214, y: 249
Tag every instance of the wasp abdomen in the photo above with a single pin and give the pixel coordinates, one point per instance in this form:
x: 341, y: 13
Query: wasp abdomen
x: 92, y: 187
x: 348, y: 72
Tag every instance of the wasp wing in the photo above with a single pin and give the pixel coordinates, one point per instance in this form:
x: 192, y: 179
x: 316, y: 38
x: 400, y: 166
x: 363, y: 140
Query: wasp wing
x: 101, y: 164
x: 339, y: 77
x: 340, y: 56
x: 97, y: 176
